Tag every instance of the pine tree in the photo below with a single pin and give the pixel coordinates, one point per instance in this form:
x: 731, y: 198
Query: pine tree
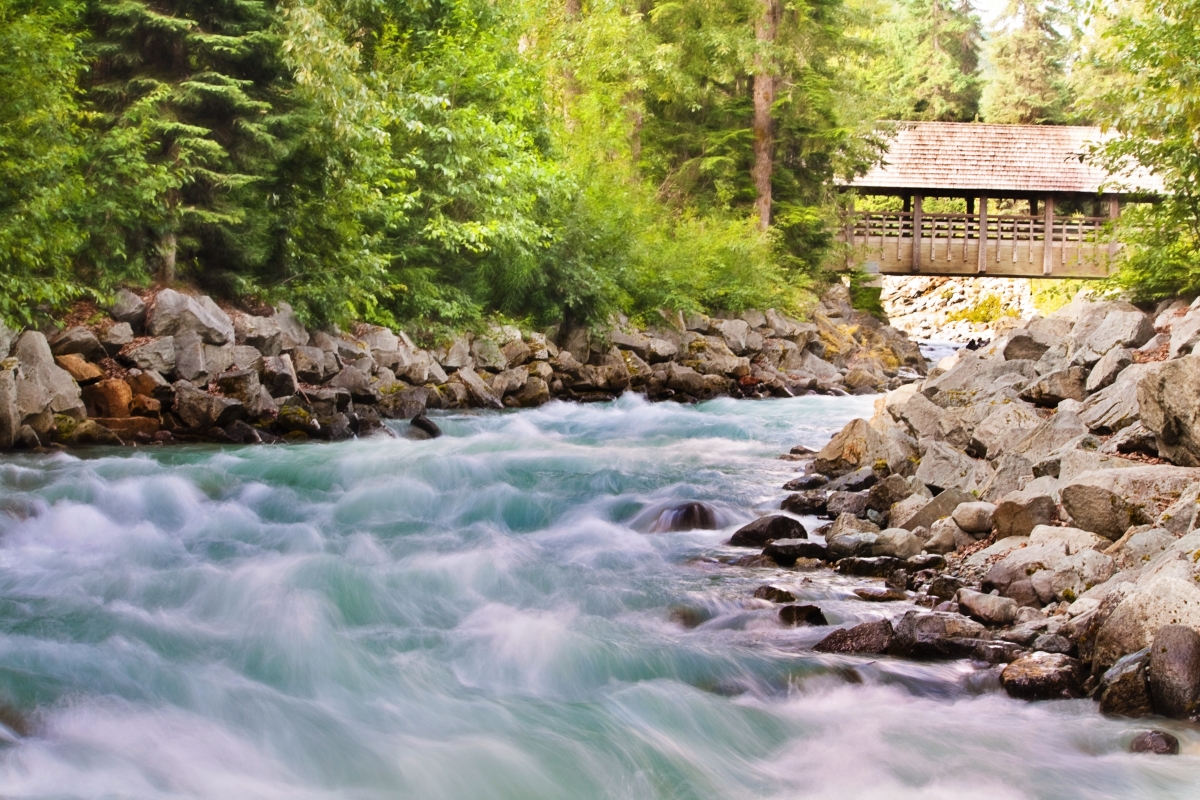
x: 1027, y: 51
x: 935, y: 61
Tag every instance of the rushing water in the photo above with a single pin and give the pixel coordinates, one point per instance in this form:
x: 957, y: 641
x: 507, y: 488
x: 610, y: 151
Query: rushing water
x: 481, y: 616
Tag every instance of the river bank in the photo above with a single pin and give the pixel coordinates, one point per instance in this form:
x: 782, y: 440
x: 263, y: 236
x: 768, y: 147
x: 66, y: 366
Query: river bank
x: 169, y: 366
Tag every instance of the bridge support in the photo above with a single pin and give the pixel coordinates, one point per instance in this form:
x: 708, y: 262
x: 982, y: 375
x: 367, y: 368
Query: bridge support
x: 1048, y: 236
x: 917, y: 221
x: 983, y: 234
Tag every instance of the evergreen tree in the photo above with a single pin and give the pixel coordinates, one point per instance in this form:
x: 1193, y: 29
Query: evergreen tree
x: 1028, y: 54
x: 934, y: 55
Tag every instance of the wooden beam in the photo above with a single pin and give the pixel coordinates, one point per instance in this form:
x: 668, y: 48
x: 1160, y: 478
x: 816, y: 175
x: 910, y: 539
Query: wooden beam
x: 918, y: 204
x: 1114, y: 211
x: 970, y: 206
x: 983, y: 234
x: 1048, y: 236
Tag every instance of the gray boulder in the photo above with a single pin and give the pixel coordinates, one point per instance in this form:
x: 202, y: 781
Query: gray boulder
x: 279, y: 376
x: 10, y: 415
x: 1170, y: 407
x: 935, y: 634
x: 897, y: 543
x: 292, y: 333
x: 1124, y: 688
x: 174, y: 313
x: 989, y: 609
x: 1053, y: 388
x: 78, y: 341
x: 1174, y: 671
x: 945, y: 537
x: 850, y: 536
x: 1107, y: 325
x: 1185, y: 333
x: 201, y: 411
x: 929, y: 511
x: 765, y: 529
x: 129, y: 308
x: 114, y: 337
x: 856, y: 446
x: 42, y: 386
x: 1105, y: 373
x: 1005, y: 426
x: 264, y: 334
x: 867, y: 638
x: 840, y: 503
x: 975, y: 517
x: 943, y: 467
x: 1051, y: 436
x: 1025, y: 346
x: 1118, y: 406
x: 1011, y: 472
x: 1018, y: 513
x: 1111, y: 501
x: 481, y: 394
x: 190, y: 362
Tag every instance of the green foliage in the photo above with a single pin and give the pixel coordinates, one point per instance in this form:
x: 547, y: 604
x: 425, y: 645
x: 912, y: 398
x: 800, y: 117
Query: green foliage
x: 988, y: 309
x: 1051, y: 295
x: 1028, y: 54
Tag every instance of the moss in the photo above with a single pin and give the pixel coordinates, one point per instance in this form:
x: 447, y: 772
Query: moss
x: 295, y: 436
x: 64, y: 427
x: 1069, y: 595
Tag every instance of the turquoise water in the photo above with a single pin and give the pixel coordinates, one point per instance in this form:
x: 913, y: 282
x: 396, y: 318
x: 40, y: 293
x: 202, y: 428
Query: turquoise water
x: 481, y: 616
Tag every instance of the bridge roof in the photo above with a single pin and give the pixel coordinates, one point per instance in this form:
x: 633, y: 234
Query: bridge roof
x: 975, y: 157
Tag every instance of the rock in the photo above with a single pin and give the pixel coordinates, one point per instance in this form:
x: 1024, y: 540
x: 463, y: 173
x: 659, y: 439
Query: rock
x: 736, y: 333
x: 786, y: 552
x: 243, y: 386
x: 931, y: 511
x: 846, y: 503
x: 691, y: 516
x: 129, y: 308
x: 943, y: 467
x: 1109, y: 502
x: 868, y: 638
x: 534, y: 393
x: 1022, y: 562
x: 1018, y: 513
x: 114, y: 337
x: 888, y: 492
x: 685, y: 380
x: 157, y: 355
x: 149, y: 383
x: 1051, y: 436
x: 1053, y: 388
x: 10, y: 417
x: 987, y: 608
x: 174, y: 313
x: 309, y: 364
x: 1024, y: 347
x: 43, y: 386
x: 873, y: 567
x: 350, y: 379
x: 851, y: 536
x: 944, y: 587
x: 856, y: 446
x: 1138, y: 547
x: 487, y: 355
x: 264, y: 334
x: 897, y: 543
x: 1109, y: 325
x: 130, y: 429
x: 1004, y: 427
x: 805, y: 482
x: 875, y: 594
x: 1170, y: 409
x: 1118, y: 406
x: 190, y: 361
x: 802, y: 615
x: 1107, y: 369
x: 936, y: 634
x: 279, y: 376
x: 774, y: 594
x: 1042, y: 676
x: 426, y: 425
x: 975, y: 378
x: 82, y: 372
x: 1183, y: 516
x: 1158, y: 742
x: 201, y: 411
x: 1073, y: 540
x: 78, y: 341
x: 765, y: 529
x: 975, y: 517
x: 1174, y: 671
x: 1124, y: 688
x: 1185, y: 333
x: 108, y: 398
x: 811, y: 502
x: 89, y: 431
x: 292, y: 333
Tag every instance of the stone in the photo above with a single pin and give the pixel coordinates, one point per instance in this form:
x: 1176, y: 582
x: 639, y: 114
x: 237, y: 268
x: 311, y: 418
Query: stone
x: 850, y: 536
x: 90, y: 431
x: 855, y: 481
x: 114, y: 337
x: 897, y: 543
x: 174, y: 313
x: 1185, y: 333
x: 354, y: 382
x: 157, y: 355
x: 129, y: 308
x: 856, y: 446
x: 1119, y: 405
x: 1105, y: 373
x: 264, y: 334
x: 144, y: 406
x: 795, y: 616
x: 1042, y: 676
x: 1011, y: 472
x: 149, y: 383
x: 987, y: 608
x: 1018, y: 513
x: 1020, y: 563
x: 690, y: 516
x: 1174, y: 671
x: 867, y: 638
x: 190, y: 361
x: 774, y: 594
x: 78, y: 341
x: 1051, y: 436
x: 1052, y: 388
x: 309, y: 364
x: 975, y: 378
x: 82, y: 372
x: 42, y: 386
x: 933, y: 635
x: 1024, y: 346
x: 1004, y: 427
x: 840, y: 503
x: 886, y: 493
x: 872, y: 567
x: 292, y: 333
x: 1109, y: 325
x: 201, y: 411
x: 10, y: 417
x: 536, y: 392
x: 487, y: 355
x: 1138, y: 547
x: 131, y: 429
x: 279, y: 376
x: 974, y: 517
x: 1159, y: 743
x: 1073, y: 540
x: 243, y: 386
x: 1124, y: 688
x: 736, y: 334
x: 1170, y: 408
x: 786, y: 552
x: 108, y: 398
x: 930, y: 511
x: 944, y: 587
x: 1109, y: 502
x: 810, y: 502
x: 805, y: 483
x: 943, y: 467
x: 480, y: 393
x: 876, y: 594
x: 768, y: 528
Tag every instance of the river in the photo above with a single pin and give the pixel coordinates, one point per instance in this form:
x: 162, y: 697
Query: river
x: 482, y: 616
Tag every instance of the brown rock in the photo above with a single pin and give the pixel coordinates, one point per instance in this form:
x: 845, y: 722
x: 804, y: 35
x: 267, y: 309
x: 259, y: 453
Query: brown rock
x: 84, y: 372
x: 128, y: 428
x: 802, y: 615
x: 868, y: 638
x: 143, y: 406
x: 108, y: 398
x: 1042, y: 676
x: 856, y: 446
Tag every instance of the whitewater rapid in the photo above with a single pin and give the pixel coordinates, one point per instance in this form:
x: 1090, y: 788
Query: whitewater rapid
x: 482, y: 616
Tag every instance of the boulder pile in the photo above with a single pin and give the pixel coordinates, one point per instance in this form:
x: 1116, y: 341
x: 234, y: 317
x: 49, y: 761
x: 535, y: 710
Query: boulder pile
x: 172, y: 366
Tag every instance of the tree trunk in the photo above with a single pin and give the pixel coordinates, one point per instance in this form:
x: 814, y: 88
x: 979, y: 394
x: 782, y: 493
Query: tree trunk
x: 764, y: 100
x: 167, y: 247
x: 573, y: 12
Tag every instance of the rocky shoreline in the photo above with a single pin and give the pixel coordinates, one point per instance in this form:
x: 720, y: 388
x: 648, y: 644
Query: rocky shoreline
x: 1040, y: 497
x: 173, y: 367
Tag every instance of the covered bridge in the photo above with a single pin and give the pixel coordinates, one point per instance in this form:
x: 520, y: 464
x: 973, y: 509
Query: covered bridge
x: 1053, y: 226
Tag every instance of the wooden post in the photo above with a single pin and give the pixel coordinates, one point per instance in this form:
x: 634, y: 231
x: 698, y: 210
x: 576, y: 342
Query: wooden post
x: 983, y: 234
x: 850, y: 221
x: 918, y: 203
x: 1048, y: 236
x: 1114, y: 211
x: 970, y: 206
x: 907, y: 203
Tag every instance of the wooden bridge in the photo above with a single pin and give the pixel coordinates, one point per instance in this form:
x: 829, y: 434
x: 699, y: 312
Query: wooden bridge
x: 1072, y: 203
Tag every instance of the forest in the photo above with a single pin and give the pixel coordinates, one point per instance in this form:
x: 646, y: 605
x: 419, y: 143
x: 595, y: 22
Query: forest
x: 441, y: 162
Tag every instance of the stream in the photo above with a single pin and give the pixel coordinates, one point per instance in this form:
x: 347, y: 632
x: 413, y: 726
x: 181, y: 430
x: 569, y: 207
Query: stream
x: 484, y: 616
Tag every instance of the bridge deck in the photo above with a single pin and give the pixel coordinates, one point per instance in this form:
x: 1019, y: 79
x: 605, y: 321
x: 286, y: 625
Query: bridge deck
x: 1011, y: 245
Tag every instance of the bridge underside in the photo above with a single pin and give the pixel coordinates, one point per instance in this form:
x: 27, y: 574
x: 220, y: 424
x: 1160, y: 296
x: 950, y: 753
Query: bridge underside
x: 1018, y: 246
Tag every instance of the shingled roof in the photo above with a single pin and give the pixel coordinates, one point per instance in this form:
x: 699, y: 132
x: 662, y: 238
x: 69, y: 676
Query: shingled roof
x: 967, y: 156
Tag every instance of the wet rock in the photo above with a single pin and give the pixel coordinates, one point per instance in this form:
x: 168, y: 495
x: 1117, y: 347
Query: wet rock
x: 175, y: 313
x: 685, y: 517
x: 10, y: 417
x: 974, y: 517
x: 811, y: 502
x: 868, y: 638
x: 426, y: 425
x: 279, y: 376
x: 987, y: 608
x: 944, y: 587
x: 89, y: 432
x: 795, y: 616
x: 1018, y: 513
x: 1053, y: 388
x: 765, y: 529
x: 78, y: 341
x: 1042, y: 676
x: 1174, y: 671
x: 129, y: 308
x: 851, y: 536
x: 897, y: 543
x: 786, y: 552
x: 1053, y: 643
x: 855, y: 481
x: 774, y: 594
x: 805, y: 483
x: 854, y: 503
x: 935, y: 634
x: 1124, y: 688
x: 480, y: 392
x: 874, y: 594
x: 871, y: 567
x: 856, y: 446
x: 42, y: 386
x: 83, y: 372
x: 1158, y: 742
x: 1109, y: 502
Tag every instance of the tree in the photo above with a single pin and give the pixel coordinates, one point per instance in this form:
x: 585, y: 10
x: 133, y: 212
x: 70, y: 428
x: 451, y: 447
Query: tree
x: 933, y: 72
x: 765, y: 29
x: 1028, y: 54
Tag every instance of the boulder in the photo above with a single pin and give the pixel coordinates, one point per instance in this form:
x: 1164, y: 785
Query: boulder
x: 850, y: 536
x: 1185, y: 333
x: 1174, y: 671
x: 1022, y: 562
x: 1042, y: 676
x: 1005, y: 426
x: 149, y: 383
x: 535, y: 393
x: 1107, y: 325
x: 130, y: 429
x: 774, y: 594
x: 1109, y: 502
x: 243, y: 386
x: 1170, y: 408
x: 945, y: 537
x: 292, y: 333
x: 1139, y: 546
x: 279, y: 376
x: 1118, y: 406
x: 768, y: 528
x: 936, y: 634
x: 129, y: 308
x: 867, y: 638
x: 43, y: 387
x: 1105, y: 373
x: 1052, y: 388
x: 1124, y: 688
x: 794, y: 616
x: 309, y: 364
x: 840, y: 503
x: 974, y: 517
x: 810, y: 502
x: 942, y: 467
x: 897, y: 543
x: 114, y: 337
x: 690, y: 516
x: 1051, y: 436
x: 975, y: 378
x: 82, y: 372
x: 201, y: 411
x: 1025, y: 346
x: 264, y: 334
x: 856, y: 446
x: 89, y: 431
x: 990, y: 609
x: 1018, y: 513
x: 786, y: 552
x: 480, y: 393
x: 191, y: 363
x: 157, y: 355
x: 1159, y: 743
x: 174, y: 313
x: 891, y: 490
x: 929, y: 512
x: 108, y: 398
x: 78, y: 341
x: 10, y: 416
x: 1012, y: 471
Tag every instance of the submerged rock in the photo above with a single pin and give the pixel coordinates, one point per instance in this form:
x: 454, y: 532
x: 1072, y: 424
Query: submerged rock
x: 868, y: 638
x: 685, y: 517
x: 774, y: 594
x: 765, y: 529
x: 802, y: 615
